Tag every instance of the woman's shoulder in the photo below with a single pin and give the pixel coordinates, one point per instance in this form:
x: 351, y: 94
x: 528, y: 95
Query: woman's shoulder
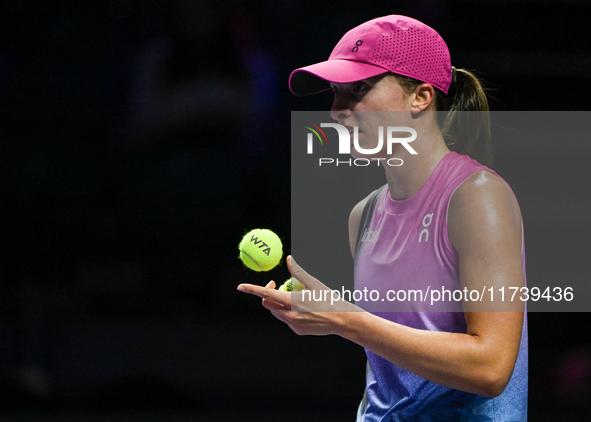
x: 482, y: 202
x: 483, y: 184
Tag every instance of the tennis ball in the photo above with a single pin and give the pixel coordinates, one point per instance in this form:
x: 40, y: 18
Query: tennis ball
x: 292, y: 285
x: 261, y: 250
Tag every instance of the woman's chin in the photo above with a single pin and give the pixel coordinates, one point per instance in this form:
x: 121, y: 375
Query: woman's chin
x: 370, y: 157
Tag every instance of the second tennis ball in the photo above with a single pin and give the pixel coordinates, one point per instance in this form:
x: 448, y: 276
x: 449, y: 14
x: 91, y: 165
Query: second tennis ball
x: 292, y: 285
x: 261, y: 250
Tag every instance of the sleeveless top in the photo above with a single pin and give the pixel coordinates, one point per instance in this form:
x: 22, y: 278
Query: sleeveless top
x: 403, y: 246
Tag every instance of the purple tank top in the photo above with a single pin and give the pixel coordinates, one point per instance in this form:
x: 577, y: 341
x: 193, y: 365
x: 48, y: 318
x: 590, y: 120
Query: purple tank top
x: 403, y: 246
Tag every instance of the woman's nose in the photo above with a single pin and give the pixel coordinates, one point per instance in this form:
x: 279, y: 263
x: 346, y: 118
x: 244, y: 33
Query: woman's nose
x: 340, y: 109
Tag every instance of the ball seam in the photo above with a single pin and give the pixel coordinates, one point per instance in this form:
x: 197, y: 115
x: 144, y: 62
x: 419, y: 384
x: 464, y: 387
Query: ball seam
x: 252, y: 259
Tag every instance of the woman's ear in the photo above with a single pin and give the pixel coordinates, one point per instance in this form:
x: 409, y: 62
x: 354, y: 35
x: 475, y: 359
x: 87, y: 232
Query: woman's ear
x: 424, y: 96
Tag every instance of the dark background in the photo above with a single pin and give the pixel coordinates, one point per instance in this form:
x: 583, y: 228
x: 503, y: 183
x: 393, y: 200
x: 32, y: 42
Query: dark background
x: 120, y: 223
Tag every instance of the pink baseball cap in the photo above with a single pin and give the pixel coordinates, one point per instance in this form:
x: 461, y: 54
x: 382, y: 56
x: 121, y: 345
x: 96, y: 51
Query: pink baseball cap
x: 393, y: 43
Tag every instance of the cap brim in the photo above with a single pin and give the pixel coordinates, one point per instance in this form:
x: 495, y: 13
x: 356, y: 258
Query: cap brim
x: 317, y: 77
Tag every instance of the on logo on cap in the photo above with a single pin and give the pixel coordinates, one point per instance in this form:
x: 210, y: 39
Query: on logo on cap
x: 357, y: 45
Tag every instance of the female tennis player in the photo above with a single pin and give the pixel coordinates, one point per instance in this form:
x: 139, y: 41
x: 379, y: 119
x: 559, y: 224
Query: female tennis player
x: 443, y: 220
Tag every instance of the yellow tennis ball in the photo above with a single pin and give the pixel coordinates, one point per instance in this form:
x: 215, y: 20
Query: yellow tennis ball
x: 261, y: 250
x: 292, y: 285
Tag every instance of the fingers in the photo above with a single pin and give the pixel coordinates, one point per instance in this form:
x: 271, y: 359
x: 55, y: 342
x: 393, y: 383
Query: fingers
x: 277, y: 301
x: 273, y: 306
x: 302, y: 276
x: 252, y: 289
x: 267, y: 293
x: 295, y: 270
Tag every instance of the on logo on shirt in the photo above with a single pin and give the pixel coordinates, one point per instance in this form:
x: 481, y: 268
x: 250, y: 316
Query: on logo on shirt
x: 427, y: 220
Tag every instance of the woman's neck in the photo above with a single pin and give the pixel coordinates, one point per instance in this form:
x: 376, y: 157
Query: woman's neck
x: 406, y: 180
